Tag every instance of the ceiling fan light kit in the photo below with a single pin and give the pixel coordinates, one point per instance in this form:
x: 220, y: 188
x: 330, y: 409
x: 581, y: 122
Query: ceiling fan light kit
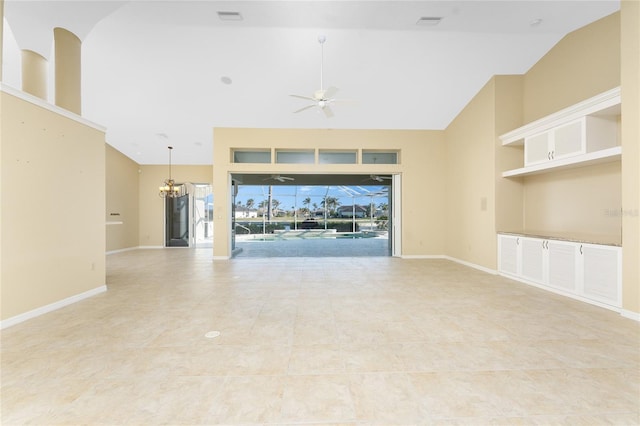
x: 321, y: 98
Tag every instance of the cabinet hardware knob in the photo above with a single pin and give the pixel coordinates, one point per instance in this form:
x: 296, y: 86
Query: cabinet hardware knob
x: 581, y: 249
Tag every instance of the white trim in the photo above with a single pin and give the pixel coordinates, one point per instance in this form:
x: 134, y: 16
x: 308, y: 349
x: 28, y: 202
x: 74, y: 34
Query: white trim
x: 122, y: 250
x: 562, y: 293
x: 610, y: 98
x: 396, y: 215
x: 630, y: 314
x: 591, y: 158
x: 221, y: 257
x: 51, y: 307
x: 152, y: 247
x: 51, y: 107
x: 423, y: 256
x: 472, y: 265
x: 452, y: 259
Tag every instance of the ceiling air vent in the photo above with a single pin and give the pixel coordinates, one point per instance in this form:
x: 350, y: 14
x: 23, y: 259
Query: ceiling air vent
x: 229, y: 16
x: 429, y: 21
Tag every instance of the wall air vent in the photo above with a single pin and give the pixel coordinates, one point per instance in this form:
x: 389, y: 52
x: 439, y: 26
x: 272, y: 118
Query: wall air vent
x: 229, y: 16
x: 429, y: 21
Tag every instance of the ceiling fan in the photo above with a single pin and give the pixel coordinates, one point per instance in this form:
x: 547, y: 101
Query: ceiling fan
x: 378, y: 178
x: 279, y: 178
x: 321, y: 98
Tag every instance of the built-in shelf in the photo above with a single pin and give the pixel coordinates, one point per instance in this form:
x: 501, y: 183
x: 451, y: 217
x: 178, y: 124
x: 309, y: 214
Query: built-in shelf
x: 604, y: 104
x: 591, y: 158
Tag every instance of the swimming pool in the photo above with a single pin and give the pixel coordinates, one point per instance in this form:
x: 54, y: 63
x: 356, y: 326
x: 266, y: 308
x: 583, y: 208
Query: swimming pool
x: 310, y: 234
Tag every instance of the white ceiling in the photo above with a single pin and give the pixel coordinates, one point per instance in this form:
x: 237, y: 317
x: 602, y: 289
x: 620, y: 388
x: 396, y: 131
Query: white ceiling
x: 151, y: 70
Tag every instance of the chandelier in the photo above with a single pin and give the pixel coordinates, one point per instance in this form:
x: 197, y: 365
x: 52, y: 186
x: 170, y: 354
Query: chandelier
x: 169, y: 189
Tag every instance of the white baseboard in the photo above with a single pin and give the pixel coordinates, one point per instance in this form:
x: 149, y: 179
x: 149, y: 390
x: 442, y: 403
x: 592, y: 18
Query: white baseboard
x: 51, y: 307
x: 422, y: 256
x: 150, y: 247
x: 453, y: 259
x: 221, y: 257
x: 630, y: 314
x: 122, y: 250
x: 472, y: 265
x: 565, y: 293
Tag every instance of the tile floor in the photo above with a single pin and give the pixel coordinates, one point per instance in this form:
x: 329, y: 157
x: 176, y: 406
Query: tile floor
x: 318, y: 341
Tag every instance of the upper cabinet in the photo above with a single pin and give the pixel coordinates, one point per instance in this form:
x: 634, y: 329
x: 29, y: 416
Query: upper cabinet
x: 583, y: 134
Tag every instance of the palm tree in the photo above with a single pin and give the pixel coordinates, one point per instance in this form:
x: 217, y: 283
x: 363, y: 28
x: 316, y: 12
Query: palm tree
x: 330, y: 204
x: 275, y: 204
x: 250, y: 202
x: 306, y: 203
x: 262, y: 206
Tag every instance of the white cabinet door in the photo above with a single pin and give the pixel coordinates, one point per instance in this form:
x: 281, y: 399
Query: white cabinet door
x: 562, y: 265
x: 578, y: 137
x: 509, y: 254
x: 537, y: 148
x: 602, y: 268
x: 584, y: 271
x: 568, y: 140
x: 533, y: 259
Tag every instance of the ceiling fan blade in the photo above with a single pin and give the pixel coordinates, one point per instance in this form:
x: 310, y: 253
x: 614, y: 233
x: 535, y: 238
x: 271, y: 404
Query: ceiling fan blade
x: 327, y: 111
x: 330, y: 92
x: 303, y: 108
x: 309, y: 98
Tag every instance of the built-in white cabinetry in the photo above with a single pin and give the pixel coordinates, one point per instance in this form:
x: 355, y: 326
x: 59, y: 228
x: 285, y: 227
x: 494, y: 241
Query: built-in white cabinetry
x: 601, y: 268
x: 533, y: 259
x: 509, y: 254
x: 562, y: 265
x: 581, y: 135
x: 584, y: 135
x: 586, y: 271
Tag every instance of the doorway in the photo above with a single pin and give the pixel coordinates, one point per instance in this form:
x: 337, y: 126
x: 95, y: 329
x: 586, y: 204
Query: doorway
x: 177, y: 221
x: 189, y: 217
x: 293, y: 215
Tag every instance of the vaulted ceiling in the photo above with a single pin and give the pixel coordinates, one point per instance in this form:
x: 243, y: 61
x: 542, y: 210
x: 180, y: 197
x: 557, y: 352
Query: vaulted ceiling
x: 158, y: 73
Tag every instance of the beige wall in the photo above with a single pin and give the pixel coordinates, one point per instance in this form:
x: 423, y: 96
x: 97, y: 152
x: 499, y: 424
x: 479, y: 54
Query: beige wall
x: 584, y: 63
x: 122, y: 194
x: 53, y: 203
x: 584, y: 201
x: 422, y: 169
x: 479, y: 201
x: 630, y: 40
x: 509, y: 115
x: 470, y: 182
x: 151, y: 206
